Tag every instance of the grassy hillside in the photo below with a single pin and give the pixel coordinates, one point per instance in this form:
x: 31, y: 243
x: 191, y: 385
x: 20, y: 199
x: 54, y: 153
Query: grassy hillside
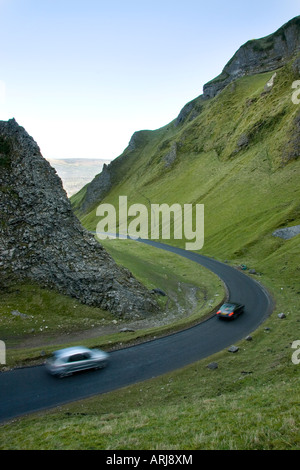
x: 237, y: 157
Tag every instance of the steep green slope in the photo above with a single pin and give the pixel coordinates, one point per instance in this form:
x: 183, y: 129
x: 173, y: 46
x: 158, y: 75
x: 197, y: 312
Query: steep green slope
x: 238, y: 157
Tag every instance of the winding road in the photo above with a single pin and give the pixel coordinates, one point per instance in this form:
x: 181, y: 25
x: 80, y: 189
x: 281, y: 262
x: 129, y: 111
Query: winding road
x: 30, y: 389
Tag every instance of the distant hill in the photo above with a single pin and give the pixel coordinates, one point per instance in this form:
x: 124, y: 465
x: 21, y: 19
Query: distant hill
x: 75, y: 173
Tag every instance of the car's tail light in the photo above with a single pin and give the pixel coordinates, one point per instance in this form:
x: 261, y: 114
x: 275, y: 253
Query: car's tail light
x: 230, y: 314
x: 218, y: 312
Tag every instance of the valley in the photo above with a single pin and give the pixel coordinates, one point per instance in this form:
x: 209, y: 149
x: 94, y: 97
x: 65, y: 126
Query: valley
x: 75, y: 173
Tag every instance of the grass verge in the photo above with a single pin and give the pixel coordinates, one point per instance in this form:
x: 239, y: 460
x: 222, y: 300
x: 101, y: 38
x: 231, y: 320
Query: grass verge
x: 35, y: 321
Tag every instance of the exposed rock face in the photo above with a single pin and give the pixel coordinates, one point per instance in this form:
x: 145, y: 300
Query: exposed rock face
x: 257, y: 56
x: 98, y: 188
x: 103, y: 182
x: 41, y: 239
x: 287, y: 233
x: 190, y: 111
x: 171, y: 156
x: 138, y: 138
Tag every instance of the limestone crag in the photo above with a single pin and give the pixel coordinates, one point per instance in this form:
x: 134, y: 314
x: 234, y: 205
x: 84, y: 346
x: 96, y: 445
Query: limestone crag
x: 99, y: 187
x: 257, y: 56
x: 42, y: 240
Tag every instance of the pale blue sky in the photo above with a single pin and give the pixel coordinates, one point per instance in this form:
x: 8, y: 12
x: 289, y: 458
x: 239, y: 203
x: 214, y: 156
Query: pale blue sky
x: 82, y: 76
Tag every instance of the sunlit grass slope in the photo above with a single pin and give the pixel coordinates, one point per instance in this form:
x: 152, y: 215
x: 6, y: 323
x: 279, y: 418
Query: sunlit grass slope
x: 236, y: 157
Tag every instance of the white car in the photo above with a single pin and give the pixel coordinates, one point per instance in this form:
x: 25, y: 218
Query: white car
x: 66, y: 361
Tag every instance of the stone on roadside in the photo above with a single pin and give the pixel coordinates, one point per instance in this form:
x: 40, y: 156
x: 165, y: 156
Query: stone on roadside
x: 212, y: 365
x: 233, y: 349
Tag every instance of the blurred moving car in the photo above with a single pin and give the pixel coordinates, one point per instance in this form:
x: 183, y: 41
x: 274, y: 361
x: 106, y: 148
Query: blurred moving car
x: 230, y: 310
x: 66, y: 361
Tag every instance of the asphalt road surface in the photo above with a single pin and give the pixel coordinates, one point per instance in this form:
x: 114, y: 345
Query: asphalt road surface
x: 30, y: 389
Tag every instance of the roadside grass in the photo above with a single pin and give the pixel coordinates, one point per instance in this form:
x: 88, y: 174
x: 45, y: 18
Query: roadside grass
x: 46, y: 320
x: 160, y: 269
x: 251, y: 402
x: 27, y: 309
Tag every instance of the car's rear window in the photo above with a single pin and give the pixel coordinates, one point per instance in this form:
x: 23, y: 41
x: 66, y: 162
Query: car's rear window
x: 227, y: 308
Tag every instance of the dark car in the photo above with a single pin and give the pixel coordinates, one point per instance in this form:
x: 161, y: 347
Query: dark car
x: 230, y: 310
x: 69, y: 360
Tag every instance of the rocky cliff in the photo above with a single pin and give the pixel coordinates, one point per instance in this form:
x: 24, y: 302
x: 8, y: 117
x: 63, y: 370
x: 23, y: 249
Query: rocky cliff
x: 257, y: 56
x: 42, y: 240
x: 109, y: 176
